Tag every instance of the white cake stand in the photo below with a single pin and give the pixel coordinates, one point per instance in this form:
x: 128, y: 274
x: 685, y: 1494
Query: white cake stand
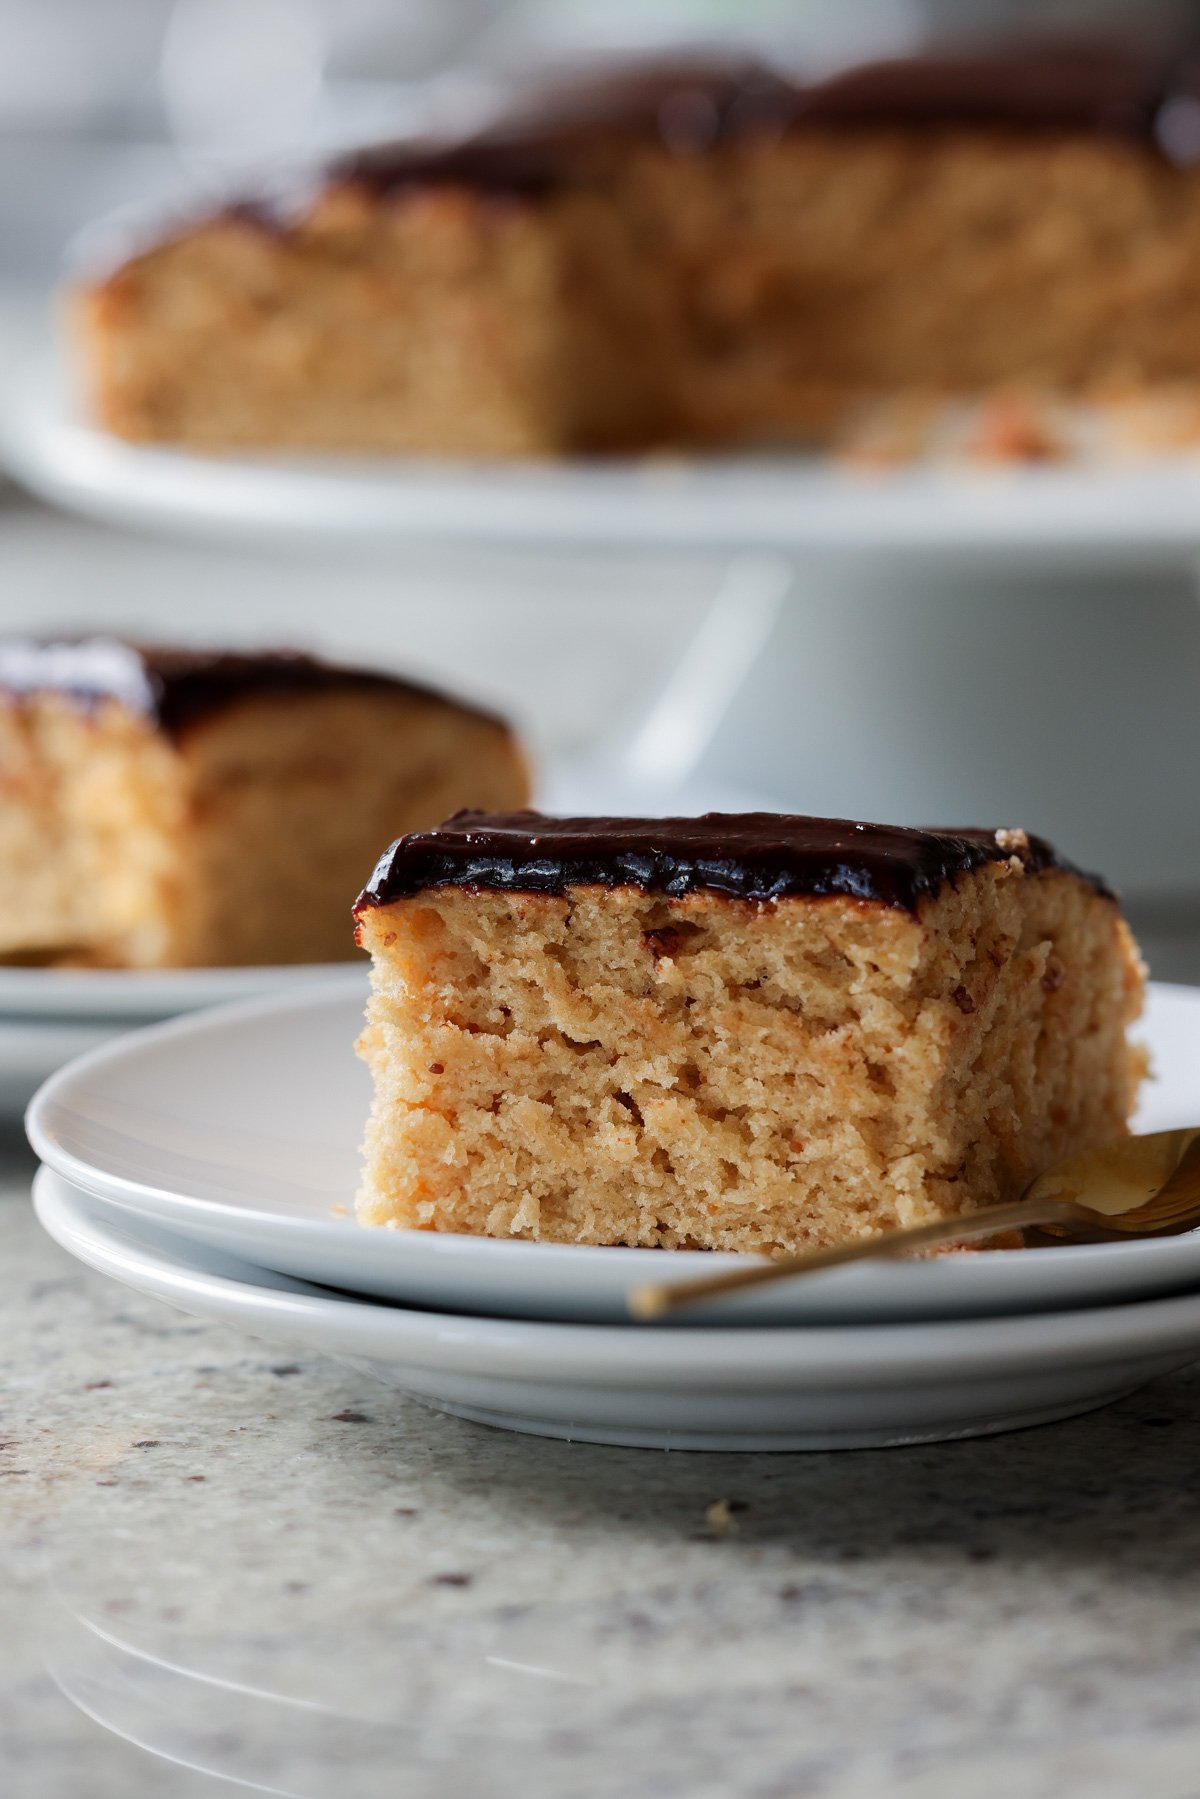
x: 930, y: 644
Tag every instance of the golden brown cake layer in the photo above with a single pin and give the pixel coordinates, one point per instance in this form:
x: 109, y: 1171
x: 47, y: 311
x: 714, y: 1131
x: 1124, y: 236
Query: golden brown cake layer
x: 609, y: 1061
x: 692, y: 257
x: 168, y: 808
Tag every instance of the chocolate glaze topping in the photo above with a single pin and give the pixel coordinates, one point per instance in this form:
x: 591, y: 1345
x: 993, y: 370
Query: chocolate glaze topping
x: 557, y: 137
x: 748, y: 855
x: 1030, y: 84
x: 1055, y: 85
x: 561, y: 134
x: 176, y: 687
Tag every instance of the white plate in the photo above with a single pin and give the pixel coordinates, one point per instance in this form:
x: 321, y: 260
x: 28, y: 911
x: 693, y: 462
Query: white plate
x: 32, y: 1049
x: 148, y: 994
x: 241, y: 1130
x: 820, y: 1387
x: 787, y: 500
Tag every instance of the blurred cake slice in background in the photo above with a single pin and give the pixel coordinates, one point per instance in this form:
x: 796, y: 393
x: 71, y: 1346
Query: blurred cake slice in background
x: 683, y: 256
x: 176, y: 808
x: 748, y: 1032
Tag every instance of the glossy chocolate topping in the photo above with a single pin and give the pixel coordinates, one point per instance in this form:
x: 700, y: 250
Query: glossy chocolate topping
x: 551, y: 138
x: 176, y: 687
x: 1052, y: 85
x: 562, y: 133
x: 748, y: 855
x: 1029, y: 84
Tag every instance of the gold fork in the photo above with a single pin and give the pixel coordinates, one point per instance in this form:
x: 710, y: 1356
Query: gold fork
x: 1136, y: 1187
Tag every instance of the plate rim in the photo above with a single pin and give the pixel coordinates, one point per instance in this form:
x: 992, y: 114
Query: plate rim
x: 792, y: 500
x: 151, y: 1205
x: 791, y: 1355
x: 150, y: 994
x: 197, y: 1023
x: 150, y: 1202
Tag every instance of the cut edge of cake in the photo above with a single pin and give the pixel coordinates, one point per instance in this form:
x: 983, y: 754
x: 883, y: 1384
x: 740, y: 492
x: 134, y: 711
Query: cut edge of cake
x: 761, y: 1033
x: 657, y: 263
x: 165, y: 807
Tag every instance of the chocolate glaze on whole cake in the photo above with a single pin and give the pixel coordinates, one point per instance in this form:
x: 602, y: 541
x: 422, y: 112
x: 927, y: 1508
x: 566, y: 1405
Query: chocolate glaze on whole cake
x: 1109, y: 88
x: 174, y: 686
x: 748, y: 855
x: 1028, y: 84
x: 550, y: 138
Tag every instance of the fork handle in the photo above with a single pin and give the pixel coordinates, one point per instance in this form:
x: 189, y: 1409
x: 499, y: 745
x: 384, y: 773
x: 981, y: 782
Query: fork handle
x: 655, y: 1301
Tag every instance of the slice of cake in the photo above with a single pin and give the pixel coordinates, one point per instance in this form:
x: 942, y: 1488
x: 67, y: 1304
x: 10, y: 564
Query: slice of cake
x: 683, y: 256
x: 751, y: 1032
x: 170, y: 808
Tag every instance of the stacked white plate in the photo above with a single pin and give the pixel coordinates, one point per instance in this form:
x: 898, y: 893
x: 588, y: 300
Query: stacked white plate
x: 212, y: 1162
x: 48, y: 1016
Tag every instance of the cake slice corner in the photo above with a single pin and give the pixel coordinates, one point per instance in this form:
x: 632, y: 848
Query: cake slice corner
x: 748, y: 1032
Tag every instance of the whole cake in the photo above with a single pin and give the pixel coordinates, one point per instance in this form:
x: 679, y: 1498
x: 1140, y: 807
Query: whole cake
x: 167, y: 807
x: 750, y: 1032
x: 681, y: 256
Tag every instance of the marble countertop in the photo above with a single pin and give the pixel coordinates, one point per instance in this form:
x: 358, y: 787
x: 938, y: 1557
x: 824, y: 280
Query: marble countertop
x: 217, y: 1559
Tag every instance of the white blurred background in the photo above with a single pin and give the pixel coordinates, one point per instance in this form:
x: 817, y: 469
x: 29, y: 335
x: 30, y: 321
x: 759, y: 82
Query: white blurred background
x: 105, y: 103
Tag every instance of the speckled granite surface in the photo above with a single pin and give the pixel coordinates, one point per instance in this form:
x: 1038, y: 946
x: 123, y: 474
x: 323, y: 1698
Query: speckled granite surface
x: 273, y: 1570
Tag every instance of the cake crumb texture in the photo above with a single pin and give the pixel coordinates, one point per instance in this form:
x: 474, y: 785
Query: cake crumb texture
x: 766, y: 289
x: 237, y: 841
x: 613, y: 1066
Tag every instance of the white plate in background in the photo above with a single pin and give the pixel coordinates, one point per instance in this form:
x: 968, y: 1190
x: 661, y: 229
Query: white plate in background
x: 1088, y: 507
x: 149, y: 994
x: 240, y: 1129
x: 32, y: 1049
x: 791, y: 1388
